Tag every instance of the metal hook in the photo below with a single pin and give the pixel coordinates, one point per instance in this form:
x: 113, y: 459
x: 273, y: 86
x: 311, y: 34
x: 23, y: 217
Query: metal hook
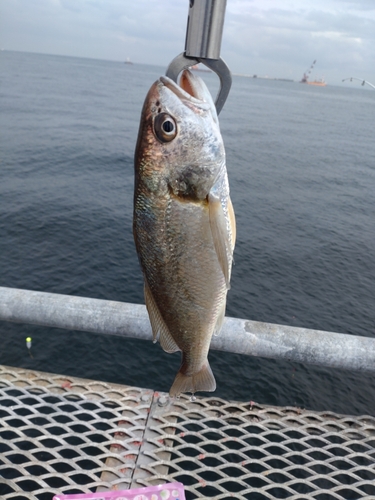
x: 203, y: 41
x: 182, y: 62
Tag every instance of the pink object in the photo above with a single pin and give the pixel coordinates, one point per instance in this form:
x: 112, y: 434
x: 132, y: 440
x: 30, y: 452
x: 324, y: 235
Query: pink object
x: 168, y: 491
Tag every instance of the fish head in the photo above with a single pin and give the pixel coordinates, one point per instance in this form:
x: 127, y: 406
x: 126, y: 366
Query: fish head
x: 179, y: 145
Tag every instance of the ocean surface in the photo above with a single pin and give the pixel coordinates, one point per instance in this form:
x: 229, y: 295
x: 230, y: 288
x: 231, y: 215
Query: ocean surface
x: 301, y: 165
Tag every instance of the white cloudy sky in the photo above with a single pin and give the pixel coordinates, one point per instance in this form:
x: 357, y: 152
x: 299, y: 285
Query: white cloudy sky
x: 277, y: 38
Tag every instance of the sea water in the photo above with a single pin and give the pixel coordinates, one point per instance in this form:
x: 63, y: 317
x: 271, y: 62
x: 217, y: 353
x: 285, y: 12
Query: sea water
x: 301, y: 166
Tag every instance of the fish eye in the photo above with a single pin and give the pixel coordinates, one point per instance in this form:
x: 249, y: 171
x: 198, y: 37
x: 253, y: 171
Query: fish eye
x: 165, y: 127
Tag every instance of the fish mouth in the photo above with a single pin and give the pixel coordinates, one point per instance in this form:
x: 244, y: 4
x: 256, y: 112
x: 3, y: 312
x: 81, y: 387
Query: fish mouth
x: 191, y: 90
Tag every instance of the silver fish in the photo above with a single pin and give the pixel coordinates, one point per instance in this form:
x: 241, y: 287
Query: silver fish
x: 184, y: 224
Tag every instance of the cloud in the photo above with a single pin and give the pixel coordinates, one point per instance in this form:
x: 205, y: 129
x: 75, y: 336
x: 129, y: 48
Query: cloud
x: 111, y: 29
x: 274, y: 37
x: 263, y: 38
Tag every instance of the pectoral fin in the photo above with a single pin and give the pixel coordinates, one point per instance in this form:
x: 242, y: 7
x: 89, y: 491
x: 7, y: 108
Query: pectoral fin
x: 232, y: 223
x: 220, y: 319
x: 159, y: 328
x: 222, y: 233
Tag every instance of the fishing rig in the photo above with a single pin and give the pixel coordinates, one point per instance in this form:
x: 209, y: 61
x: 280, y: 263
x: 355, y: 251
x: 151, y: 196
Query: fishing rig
x: 203, y: 43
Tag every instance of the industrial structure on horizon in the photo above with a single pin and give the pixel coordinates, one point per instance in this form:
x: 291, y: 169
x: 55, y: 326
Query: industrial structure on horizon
x: 305, y: 78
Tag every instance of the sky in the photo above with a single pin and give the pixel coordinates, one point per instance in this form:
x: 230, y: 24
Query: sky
x: 274, y: 38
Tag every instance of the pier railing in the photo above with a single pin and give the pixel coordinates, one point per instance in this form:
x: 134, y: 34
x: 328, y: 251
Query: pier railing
x: 60, y: 434
x: 239, y: 336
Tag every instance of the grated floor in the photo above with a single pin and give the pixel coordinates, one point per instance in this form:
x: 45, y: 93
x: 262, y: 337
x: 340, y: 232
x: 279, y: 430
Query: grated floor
x: 68, y: 435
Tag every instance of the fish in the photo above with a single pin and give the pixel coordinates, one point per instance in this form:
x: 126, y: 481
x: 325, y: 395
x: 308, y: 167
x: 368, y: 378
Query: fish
x: 183, y: 223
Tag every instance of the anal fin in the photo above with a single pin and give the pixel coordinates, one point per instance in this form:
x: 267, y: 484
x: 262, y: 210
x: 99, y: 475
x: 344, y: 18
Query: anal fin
x: 159, y: 328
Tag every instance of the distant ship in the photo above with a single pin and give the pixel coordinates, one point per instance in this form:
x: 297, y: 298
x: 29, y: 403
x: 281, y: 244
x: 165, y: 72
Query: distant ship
x: 128, y: 61
x: 305, y: 78
x: 319, y: 83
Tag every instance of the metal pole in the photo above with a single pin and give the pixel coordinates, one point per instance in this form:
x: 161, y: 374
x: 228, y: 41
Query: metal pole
x: 336, y: 350
x: 203, y: 43
x: 205, y: 28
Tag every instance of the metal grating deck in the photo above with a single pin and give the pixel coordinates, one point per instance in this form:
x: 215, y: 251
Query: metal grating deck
x: 68, y: 435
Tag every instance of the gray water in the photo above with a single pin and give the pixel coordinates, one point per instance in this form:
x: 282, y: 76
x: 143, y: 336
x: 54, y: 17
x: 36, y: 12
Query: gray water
x: 301, y: 165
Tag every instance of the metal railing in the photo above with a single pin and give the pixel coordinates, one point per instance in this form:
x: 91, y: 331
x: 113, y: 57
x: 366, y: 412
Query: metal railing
x: 239, y: 336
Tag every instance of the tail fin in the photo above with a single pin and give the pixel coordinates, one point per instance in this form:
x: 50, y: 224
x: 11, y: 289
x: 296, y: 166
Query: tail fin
x: 203, y: 380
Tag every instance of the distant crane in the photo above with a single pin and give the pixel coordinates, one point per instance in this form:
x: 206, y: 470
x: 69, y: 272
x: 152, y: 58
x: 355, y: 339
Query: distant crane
x: 361, y: 80
x: 307, y: 73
